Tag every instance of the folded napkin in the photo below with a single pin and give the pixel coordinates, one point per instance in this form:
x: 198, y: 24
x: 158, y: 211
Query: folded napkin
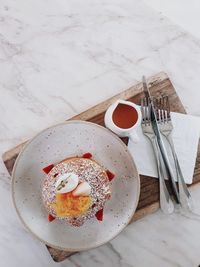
x: 185, y: 135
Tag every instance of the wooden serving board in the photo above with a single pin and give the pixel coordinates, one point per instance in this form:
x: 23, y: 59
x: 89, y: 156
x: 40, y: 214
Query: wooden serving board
x: 149, y: 196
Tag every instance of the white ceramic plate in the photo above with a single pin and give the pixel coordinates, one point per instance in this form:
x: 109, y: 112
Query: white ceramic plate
x: 53, y: 145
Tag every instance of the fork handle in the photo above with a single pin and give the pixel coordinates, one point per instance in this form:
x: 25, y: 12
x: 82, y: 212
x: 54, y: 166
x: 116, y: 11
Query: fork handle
x: 184, y: 194
x: 166, y: 203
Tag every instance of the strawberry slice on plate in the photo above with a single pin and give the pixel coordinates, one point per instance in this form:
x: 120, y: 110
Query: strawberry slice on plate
x: 48, y: 168
x: 110, y: 175
x: 87, y: 155
x: 99, y: 215
x: 50, y: 218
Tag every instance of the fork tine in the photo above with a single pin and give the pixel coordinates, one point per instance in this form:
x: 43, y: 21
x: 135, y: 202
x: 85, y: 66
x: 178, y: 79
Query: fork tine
x: 149, y: 112
x: 163, y: 108
x: 156, y: 106
x: 165, y: 115
x: 160, y: 105
x: 168, y: 108
x: 142, y: 110
x: 145, y: 110
x: 164, y: 102
x: 159, y: 109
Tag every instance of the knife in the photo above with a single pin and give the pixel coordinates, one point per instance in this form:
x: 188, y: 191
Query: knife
x: 155, y: 127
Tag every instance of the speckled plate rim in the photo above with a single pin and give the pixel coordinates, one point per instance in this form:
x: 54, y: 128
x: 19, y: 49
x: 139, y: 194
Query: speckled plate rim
x: 136, y: 176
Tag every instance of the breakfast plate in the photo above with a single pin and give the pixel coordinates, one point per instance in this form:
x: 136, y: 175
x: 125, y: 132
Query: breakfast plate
x: 73, y: 139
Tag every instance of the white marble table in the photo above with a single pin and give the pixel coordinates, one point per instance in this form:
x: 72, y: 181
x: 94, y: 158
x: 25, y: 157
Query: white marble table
x: 58, y: 58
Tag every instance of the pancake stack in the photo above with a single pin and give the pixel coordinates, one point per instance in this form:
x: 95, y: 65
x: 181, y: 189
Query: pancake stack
x: 75, y: 190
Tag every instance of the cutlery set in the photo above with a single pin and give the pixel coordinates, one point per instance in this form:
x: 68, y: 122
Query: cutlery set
x: 157, y: 126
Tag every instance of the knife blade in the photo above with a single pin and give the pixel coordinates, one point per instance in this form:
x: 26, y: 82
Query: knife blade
x: 153, y: 113
x: 163, y: 151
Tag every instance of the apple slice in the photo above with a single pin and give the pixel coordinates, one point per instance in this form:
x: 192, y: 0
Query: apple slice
x: 83, y: 189
x: 66, y: 182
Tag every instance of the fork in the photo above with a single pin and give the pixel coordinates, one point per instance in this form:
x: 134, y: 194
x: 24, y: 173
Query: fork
x: 165, y: 125
x: 166, y: 203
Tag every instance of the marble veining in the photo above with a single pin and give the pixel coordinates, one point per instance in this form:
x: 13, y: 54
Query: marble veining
x: 58, y: 58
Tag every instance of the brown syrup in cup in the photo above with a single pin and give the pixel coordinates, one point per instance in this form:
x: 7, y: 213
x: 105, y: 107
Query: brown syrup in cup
x: 125, y: 116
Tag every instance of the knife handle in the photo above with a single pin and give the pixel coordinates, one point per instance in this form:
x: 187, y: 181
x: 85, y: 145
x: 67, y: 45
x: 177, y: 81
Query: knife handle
x: 169, y: 170
x: 166, y: 203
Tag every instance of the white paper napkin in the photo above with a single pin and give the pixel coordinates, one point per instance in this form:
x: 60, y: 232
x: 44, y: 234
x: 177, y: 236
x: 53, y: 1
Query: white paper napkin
x: 185, y: 135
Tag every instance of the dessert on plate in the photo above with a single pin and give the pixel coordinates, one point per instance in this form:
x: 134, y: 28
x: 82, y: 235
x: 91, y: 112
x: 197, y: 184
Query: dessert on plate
x: 76, y: 189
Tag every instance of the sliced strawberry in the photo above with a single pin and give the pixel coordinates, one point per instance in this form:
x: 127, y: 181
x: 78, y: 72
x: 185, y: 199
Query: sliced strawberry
x: 48, y: 168
x: 99, y: 215
x: 110, y: 175
x: 87, y: 155
x: 50, y: 218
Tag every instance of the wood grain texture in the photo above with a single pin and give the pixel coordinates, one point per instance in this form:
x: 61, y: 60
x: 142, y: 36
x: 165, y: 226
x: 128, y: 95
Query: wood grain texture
x: 148, y: 202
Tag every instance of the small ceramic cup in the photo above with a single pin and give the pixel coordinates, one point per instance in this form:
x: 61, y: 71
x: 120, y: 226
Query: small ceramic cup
x: 123, y: 132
